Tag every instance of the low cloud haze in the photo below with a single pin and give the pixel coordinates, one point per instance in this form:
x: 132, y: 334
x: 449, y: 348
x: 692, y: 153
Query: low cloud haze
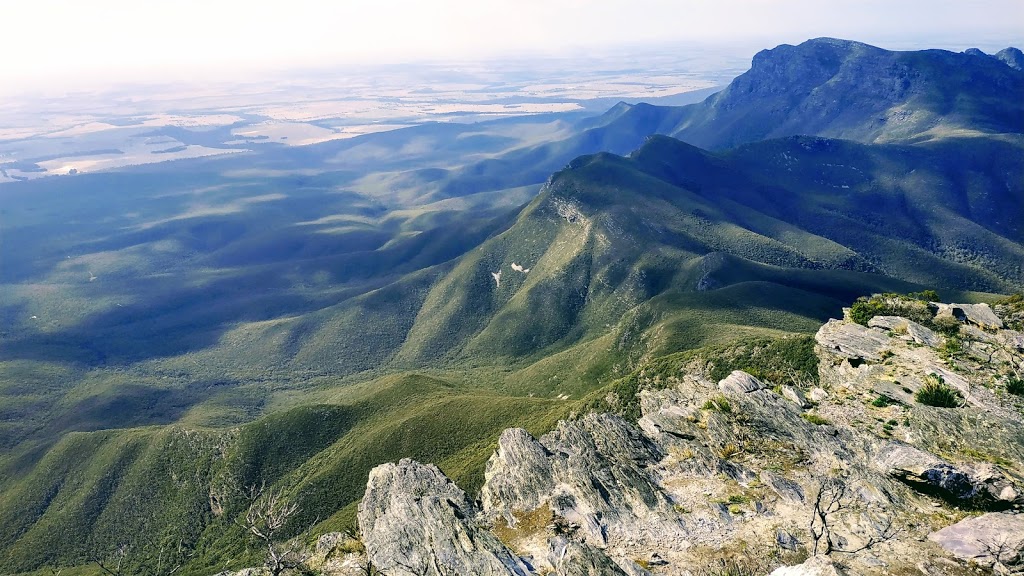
x: 67, y: 43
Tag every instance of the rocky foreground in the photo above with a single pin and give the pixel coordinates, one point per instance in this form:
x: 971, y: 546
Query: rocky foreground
x: 854, y: 476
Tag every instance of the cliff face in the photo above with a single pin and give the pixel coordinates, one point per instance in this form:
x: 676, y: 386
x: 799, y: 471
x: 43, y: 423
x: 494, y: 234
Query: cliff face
x: 858, y: 470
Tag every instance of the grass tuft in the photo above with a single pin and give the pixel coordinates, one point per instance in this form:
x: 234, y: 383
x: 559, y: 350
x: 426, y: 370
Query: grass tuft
x: 719, y: 403
x: 937, y: 393
x: 814, y: 419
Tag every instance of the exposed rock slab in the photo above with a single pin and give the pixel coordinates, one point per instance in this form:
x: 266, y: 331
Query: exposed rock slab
x: 986, y: 539
x: 814, y: 566
x: 667, y: 417
x: 980, y: 315
x: 594, y: 477
x: 918, y: 333
x: 571, y: 558
x: 983, y: 484
x: 852, y: 341
x: 519, y: 475
x: 925, y: 470
x: 1014, y: 339
x: 795, y: 396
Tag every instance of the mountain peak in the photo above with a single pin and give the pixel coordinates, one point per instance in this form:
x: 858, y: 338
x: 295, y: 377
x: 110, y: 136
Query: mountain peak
x: 1013, y: 57
x: 822, y: 49
x: 845, y: 89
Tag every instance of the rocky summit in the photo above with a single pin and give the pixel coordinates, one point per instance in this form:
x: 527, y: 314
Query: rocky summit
x: 858, y: 475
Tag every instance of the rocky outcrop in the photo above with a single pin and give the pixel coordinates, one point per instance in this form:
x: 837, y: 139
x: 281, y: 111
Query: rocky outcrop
x: 986, y: 540
x: 591, y: 475
x: 795, y: 396
x: 519, y: 475
x: 980, y: 315
x: 984, y: 486
x: 913, y: 330
x: 852, y: 341
x: 711, y: 466
x: 572, y: 558
x: 739, y: 382
x: 417, y: 522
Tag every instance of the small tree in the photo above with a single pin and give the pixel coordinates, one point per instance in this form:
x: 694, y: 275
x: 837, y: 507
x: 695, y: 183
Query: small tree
x: 267, y: 515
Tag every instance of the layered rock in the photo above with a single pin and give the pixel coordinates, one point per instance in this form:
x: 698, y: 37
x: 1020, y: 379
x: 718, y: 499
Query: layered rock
x: 913, y: 330
x: 852, y: 341
x: 980, y: 315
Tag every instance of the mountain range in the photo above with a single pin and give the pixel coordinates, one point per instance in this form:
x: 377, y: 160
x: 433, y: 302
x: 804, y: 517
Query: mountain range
x: 176, y: 333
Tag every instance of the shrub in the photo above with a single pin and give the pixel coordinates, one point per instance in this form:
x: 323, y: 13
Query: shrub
x: 913, y: 306
x: 1015, y: 385
x: 1012, y: 299
x: 925, y: 295
x: 952, y: 349
x: 947, y: 325
x: 864, y: 310
x: 936, y: 392
x: 779, y: 361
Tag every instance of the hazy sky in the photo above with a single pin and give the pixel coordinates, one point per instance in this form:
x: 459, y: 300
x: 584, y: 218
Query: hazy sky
x: 48, y: 42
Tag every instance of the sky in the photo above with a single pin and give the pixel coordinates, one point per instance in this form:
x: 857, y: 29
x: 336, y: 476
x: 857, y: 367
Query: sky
x: 63, y: 42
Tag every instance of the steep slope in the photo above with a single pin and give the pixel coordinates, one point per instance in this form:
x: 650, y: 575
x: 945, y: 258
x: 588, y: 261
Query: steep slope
x: 612, y: 238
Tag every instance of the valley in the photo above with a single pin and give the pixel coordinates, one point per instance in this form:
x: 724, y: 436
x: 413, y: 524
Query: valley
x: 344, y: 282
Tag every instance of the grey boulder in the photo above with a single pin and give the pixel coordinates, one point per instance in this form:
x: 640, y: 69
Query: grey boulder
x: 740, y: 382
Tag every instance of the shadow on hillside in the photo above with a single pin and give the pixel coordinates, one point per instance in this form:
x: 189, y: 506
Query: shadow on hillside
x: 164, y: 322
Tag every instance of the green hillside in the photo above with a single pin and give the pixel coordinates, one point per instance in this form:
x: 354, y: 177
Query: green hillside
x: 175, y: 334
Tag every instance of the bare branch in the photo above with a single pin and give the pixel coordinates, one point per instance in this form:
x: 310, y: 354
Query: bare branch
x: 267, y: 515
x: 831, y: 500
